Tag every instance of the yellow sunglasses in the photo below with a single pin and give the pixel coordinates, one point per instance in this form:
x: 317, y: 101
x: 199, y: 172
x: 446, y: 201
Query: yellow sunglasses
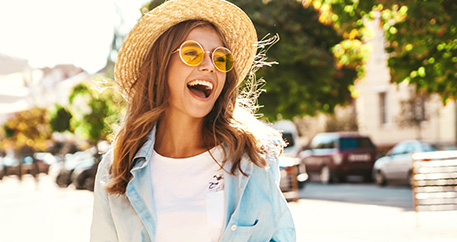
x: 191, y: 53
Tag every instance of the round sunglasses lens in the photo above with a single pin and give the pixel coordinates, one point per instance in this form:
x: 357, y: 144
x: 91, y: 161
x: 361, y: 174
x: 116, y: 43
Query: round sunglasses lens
x: 223, y: 59
x: 191, y: 53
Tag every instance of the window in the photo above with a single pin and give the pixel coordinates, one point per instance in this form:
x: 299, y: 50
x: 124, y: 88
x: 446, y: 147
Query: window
x: 400, y: 149
x: 323, y: 141
x: 353, y: 143
x: 289, y: 139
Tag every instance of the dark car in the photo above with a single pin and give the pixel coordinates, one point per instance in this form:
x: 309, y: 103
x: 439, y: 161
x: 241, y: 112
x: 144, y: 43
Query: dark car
x: 334, y: 156
x: 83, y: 177
x: 396, y: 166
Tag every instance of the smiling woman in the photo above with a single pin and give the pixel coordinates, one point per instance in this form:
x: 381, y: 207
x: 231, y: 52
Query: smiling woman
x: 188, y: 156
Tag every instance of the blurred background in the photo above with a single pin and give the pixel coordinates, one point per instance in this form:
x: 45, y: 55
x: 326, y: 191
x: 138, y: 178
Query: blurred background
x: 359, y: 86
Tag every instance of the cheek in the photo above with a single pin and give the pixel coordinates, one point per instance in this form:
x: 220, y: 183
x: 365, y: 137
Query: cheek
x: 176, y: 75
x: 222, y: 77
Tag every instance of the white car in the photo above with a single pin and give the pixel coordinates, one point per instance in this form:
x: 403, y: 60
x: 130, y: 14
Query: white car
x: 293, y: 174
x: 396, y: 166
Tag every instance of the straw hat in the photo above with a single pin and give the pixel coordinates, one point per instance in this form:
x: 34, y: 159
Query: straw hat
x: 235, y: 25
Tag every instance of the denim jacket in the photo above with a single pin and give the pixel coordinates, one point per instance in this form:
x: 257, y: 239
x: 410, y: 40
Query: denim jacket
x: 255, y: 209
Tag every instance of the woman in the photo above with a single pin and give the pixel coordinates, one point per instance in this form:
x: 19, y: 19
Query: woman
x: 189, y: 164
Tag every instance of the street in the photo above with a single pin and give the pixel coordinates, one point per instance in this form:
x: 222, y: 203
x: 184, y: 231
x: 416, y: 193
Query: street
x: 352, y: 211
x: 361, y: 212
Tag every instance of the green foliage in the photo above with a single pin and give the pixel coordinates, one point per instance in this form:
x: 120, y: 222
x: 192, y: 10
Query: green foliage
x: 421, y: 37
x: 307, y: 79
x: 423, y: 46
x: 27, y: 128
x: 95, y: 111
x: 9, y: 132
x: 60, y: 119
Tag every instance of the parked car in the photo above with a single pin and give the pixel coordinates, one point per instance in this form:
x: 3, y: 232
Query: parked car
x: 290, y: 136
x: 334, y: 156
x: 74, y: 162
x: 19, y: 167
x: 290, y: 168
x: 396, y: 166
x: 83, y: 177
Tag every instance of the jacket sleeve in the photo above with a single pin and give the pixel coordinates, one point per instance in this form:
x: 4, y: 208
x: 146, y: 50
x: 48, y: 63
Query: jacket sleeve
x: 103, y: 228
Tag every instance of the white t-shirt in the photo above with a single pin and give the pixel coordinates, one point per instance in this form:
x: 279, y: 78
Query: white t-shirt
x: 188, y: 197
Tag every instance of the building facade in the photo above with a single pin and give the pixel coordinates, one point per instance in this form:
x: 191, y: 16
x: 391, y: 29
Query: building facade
x: 391, y: 113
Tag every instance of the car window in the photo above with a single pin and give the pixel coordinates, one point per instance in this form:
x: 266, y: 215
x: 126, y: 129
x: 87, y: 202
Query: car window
x: 288, y: 138
x: 353, y: 143
x: 427, y: 147
x: 399, y: 149
x: 410, y: 149
x: 323, y: 142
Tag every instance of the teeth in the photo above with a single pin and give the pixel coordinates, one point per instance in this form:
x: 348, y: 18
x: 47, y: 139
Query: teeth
x: 207, y: 84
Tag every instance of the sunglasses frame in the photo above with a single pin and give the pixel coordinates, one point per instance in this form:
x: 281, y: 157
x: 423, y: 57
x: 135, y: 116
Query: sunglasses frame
x: 204, y: 52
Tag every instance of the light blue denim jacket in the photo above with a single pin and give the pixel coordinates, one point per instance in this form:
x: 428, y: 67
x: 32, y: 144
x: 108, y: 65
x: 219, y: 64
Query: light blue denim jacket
x: 255, y: 209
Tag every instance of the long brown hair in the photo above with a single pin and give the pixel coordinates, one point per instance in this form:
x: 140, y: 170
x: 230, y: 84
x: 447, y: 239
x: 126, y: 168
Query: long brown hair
x: 150, y: 101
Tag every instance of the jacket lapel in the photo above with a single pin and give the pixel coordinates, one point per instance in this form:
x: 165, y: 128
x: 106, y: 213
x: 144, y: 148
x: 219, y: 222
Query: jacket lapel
x: 139, y: 190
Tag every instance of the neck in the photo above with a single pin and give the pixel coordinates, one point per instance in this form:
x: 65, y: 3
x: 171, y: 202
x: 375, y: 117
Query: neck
x: 179, y: 138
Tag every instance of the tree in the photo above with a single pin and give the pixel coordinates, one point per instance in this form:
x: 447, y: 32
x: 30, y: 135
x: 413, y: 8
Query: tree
x: 421, y: 37
x: 307, y: 78
x: 95, y: 110
x: 423, y: 47
x: 27, y: 128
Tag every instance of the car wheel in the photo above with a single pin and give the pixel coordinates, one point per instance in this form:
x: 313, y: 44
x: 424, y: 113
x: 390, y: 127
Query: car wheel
x: 300, y: 179
x: 301, y: 185
x: 326, y: 175
x: 380, y: 179
x: 79, y: 182
x: 61, y: 181
x: 89, y: 184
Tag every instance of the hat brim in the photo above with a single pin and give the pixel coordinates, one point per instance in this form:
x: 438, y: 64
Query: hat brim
x: 233, y: 22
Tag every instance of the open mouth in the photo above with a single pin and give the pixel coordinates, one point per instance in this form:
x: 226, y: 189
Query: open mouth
x: 200, y: 88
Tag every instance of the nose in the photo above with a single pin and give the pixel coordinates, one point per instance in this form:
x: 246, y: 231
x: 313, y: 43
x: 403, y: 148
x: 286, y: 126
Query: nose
x: 207, y: 63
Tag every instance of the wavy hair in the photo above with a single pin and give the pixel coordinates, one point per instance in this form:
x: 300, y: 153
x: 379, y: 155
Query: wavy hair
x: 150, y: 101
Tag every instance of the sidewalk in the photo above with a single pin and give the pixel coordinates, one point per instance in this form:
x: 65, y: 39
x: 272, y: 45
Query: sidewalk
x: 42, y: 212
x: 347, y: 222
